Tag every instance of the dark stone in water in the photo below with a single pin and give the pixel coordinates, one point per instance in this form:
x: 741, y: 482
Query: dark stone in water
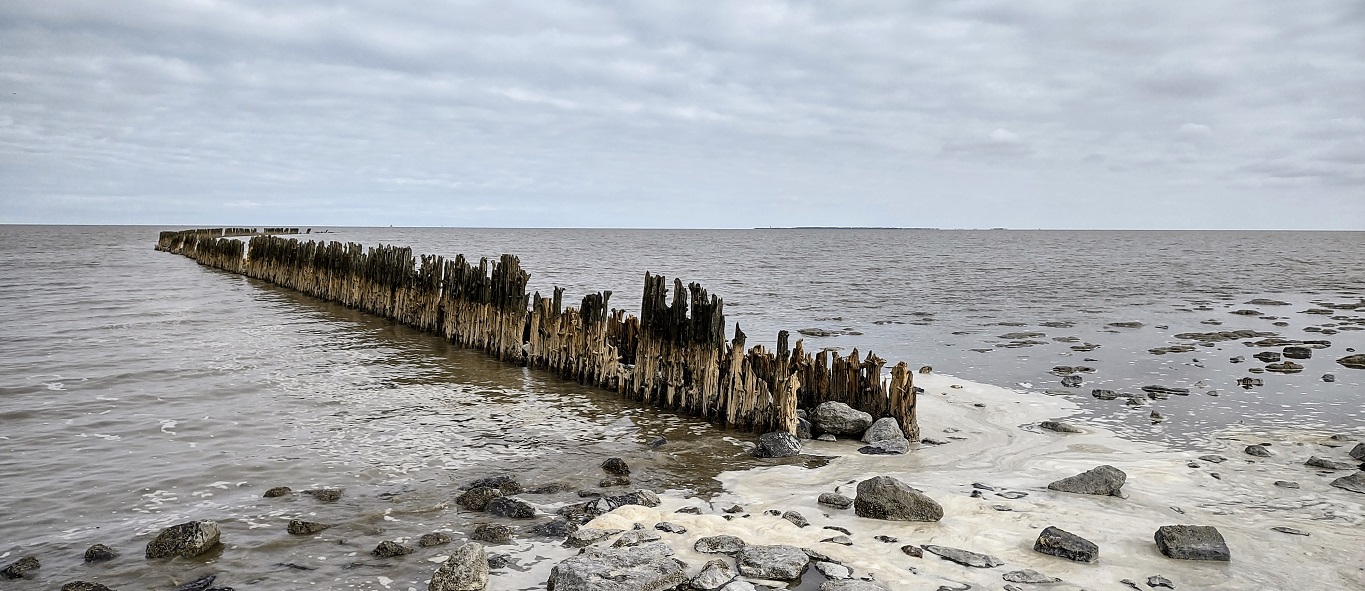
x: 278, y: 491
x: 185, y: 540
x: 1329, y: 378
x: 1289, y: 530
x: 835, y: 500
x: 20, y: 568
x: 1217, y: 459
x: 795, y: 518
x: 1353, y: 361
x: 84, y: 586
x: 200, y: 584
x: 293, y: 566
x: 555, y: 528
x: 657, y: 441
x: 1298, y: 352
x: 1104, y: 394
x: 1353, y: 483
x: 838, y: 529
x: 1259, y: 451
x: 841, y: 540
x: 1358, y: 452
x: 511, y: 507
x: 303, y: 528
x: 884, y: 497
x: 1071, y: 381
x: 777, y: 444
x: 1192, y: 542
x: 1064, y: 544
x: 326, y: 495
x: 508, y: 484
x: 433, y: 539
x: 1060, y: 427
x: 1159, y: 581
x: 1012, y: 494
x: 611, y: 481
x: 1327, y: 464
x: 100, y: 553
x: 1286, y: 484
x: 389, y: 549
x: 1159, y: 391
x: 1286, y: 367
x: 616, y: 466
x: 493, y: 533
x: 477, y: 498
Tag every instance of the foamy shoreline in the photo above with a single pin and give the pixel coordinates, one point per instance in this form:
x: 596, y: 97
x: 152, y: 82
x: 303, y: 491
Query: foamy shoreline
x: 1001, y: 447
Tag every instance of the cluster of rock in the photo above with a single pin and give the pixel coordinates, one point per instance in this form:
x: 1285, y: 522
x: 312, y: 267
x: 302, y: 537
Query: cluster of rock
x: 833, y: 420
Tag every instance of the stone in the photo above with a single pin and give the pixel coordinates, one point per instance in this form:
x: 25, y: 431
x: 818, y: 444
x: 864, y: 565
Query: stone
x: 465, y: 570
x: 500, y: 561
x: 912, y: 550
x: 549, y: 489
x: 1100, y: 480
x: 1329, y: 378
x: 1353, y: 483
x: 832, y: 570
x: 1286, y: 367
x: 200, y: 584
x: 616, y: 466
x: 837, y: 418
x: 851, y: 585
x: 1159, y: 581
x: 636, y: 538
x: 642, y: 568
x: 1297, y: 352
x: 1267, y: 356
x: 804, y: 429
x: 886, y: 447
x: 835, y: 500
x: 1327, y: 464
x: 826, y: 437
x: 606, y: 505
x: 302, y: 528
x: 883, y: 428
x: 390, y: 549
x: 99, y: 553
x: 884, y: 497
x: 714, y: 575
x: 20, y: 568
x: 433, y: 539
x: 840, y: 540
x: 611, y: 481
x: 964, y: 557
x: 1259, y: 451
x: 657, y: 441
x: 186, y: 540
x: 326, y: 495
x: 670, y: 527
x: 1064, y: 544
x: 777, y: 444
x: 511, y: 507
x: 1072, y: 381
x: 508, y: 484
x: 721, y: 544
x: 1289, y: 530
x: 1286, y: 484
x: 1029, y: 575
x: 689, y: 511
x: 1358, y: 452
x: 555, y: 528
x: 278, y: 491
x: 477, y: 498
x: 1353, y: 361
x: 796, y: 518
x: 1104, y: 394
x: 1213, y: 458
x: 1192, y: 542
x: 776, y: 562
x: 1012, y: 494
x: 493, y: 533
x: 84, y: 586
x: 588, y: 536
x: 841, y: 530
x: 1060, y: 427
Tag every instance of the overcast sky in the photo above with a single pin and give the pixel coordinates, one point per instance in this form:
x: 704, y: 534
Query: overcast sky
x: 1068, y: 114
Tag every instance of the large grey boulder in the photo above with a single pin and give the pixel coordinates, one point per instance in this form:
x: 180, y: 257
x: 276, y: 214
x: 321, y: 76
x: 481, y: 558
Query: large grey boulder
x: 185, y: 540
x: 778, y: 444
x: 721, y: 544
x: 964, y: 557
x: 465, y: 570
x: 1192, y: 542
x: 777, y: 562
x: 882, y: 429
x: 642, y: 568
x: 884, y: 497
x: 837, y: 418
x: 1100, y: 480
x: 1353, y: 483
x: 1064, y: 544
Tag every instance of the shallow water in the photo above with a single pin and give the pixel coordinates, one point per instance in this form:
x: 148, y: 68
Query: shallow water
x: 139, y: 390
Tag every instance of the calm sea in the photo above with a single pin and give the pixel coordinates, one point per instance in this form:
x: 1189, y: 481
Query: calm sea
x: 139, y: 390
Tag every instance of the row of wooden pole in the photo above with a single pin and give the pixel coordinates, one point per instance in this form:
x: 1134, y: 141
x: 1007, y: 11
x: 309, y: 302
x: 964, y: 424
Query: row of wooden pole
x: 674, y: 355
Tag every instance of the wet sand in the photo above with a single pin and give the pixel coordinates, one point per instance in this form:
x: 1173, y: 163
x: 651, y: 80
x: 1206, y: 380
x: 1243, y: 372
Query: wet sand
x: 1003, y: 448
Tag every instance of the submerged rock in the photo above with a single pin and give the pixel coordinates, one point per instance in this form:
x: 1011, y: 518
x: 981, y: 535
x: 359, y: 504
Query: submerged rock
x: 200, y: 584
x: 884, y: 497
x: 20, y: 568
x: 642, y: 568
x: 278, y: 491
x: 433, y: 539
x: 777, y: 444
x: 1192, y: 542
x: 1064, y: 544
x: 303, y: 528
x: 837, y: 418
x: 185, y: 540
x: 326, y: 495
x: 477, y: 498
x: 964, y: 557
x: 1100, y: 480
x: 84, y: 586
x: 465, y: 570
x: 100, y: 553
x: 389, y: 549
x: 616, y: 466
x: 511, y: 507
x: 777, y: 562
x: 508, y: 484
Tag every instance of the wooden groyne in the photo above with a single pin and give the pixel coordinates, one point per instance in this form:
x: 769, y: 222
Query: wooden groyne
x: 674, y: 355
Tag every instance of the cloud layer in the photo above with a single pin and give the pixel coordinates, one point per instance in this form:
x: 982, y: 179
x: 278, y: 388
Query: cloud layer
x: 1215, y: 114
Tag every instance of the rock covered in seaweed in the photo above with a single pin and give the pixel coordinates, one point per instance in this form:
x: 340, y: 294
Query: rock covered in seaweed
x: 465, y: 570
x: 186, y: 540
